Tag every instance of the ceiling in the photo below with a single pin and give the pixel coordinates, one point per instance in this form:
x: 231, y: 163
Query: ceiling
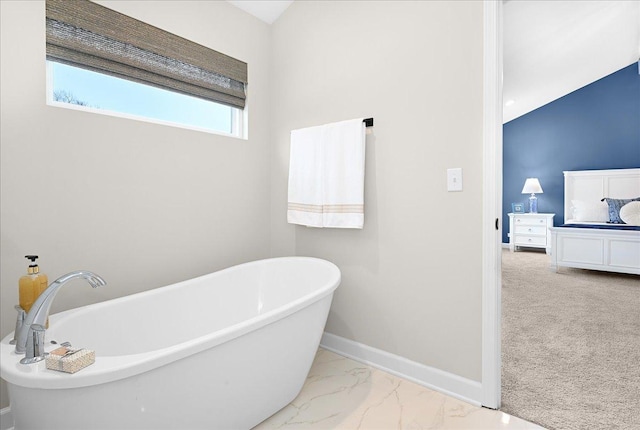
x: 265, y: 10
x: 551, y: 48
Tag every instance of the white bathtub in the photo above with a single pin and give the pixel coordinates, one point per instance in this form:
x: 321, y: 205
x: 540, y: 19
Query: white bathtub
x: 222, y: 351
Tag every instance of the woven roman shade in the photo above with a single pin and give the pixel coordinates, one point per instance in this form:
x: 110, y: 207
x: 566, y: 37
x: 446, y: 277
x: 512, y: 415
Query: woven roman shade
x: 85, y: 34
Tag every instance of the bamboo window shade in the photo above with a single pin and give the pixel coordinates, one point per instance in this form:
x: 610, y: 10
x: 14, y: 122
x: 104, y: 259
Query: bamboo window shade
x: 85, y: 34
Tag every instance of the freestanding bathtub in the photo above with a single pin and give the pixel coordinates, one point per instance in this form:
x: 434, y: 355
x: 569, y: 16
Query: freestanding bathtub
x: 222, y: 351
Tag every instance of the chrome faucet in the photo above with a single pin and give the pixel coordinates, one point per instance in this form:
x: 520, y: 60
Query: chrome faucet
x: 40, y: 309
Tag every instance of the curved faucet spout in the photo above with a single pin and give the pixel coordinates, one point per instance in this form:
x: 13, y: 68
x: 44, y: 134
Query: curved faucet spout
x: 40, y: 310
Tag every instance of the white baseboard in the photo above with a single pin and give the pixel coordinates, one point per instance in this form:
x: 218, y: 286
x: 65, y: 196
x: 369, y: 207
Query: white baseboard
x: 6, y: 419
x: 430, y: 377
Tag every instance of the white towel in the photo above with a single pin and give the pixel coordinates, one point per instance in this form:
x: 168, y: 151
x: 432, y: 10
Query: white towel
x: 305, y: 177
x: 326, y: 175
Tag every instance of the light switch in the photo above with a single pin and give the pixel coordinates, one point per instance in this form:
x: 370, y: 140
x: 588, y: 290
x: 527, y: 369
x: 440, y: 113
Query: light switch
x: 454, y: 179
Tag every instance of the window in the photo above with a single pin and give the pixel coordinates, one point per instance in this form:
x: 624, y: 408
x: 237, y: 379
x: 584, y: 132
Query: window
x: 89, y: 90
x: 104, y: 61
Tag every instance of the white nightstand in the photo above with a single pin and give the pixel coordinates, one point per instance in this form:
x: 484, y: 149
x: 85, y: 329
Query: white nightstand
x: 530, y: 230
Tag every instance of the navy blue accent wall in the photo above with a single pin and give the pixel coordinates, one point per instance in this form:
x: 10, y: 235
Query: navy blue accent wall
x: 595, y: 127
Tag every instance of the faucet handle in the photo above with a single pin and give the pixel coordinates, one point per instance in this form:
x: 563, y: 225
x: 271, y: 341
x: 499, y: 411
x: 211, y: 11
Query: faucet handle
x: 19, y: 321
x: 35, y: 345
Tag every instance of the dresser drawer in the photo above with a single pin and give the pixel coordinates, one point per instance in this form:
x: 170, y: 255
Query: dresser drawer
x: 530, y: 221
x: 531, y: 229
x: 523, y: 240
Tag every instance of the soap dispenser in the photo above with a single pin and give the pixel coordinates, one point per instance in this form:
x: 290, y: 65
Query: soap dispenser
x: 32, y: 284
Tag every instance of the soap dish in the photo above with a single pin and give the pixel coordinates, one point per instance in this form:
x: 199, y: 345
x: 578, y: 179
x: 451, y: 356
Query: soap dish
x: 70, y: 360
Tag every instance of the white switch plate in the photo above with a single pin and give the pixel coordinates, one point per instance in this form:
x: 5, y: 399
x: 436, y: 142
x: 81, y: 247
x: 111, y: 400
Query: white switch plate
x: 454, y: 179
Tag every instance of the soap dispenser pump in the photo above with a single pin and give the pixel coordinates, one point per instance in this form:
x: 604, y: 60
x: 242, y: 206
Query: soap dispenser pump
x: 32, y: 284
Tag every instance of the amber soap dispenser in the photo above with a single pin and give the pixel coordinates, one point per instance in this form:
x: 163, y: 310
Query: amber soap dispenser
x: 32, y: 284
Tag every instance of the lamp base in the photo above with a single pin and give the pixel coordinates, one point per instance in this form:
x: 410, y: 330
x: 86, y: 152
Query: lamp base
x: 533, y: 204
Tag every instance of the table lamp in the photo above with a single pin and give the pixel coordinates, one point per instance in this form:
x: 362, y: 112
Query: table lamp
x: 532, y: 185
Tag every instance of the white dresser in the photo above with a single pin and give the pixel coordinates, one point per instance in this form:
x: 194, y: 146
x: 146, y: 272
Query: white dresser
x: 530, y: 230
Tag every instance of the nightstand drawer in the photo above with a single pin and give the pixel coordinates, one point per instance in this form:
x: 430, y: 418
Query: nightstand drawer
x: 531, y: 240
x: 531, y: 229
x: 529, y: 220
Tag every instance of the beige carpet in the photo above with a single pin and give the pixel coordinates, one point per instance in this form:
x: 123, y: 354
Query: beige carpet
x: 570, y: 345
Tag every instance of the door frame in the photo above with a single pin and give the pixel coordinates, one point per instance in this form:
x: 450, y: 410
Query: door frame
x: 492, y: 204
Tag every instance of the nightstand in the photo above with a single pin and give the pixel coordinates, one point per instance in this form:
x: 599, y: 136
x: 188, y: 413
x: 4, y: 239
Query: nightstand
x: 530, y: 230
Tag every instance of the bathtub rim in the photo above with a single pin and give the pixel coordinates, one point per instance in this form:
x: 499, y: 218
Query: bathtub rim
x: 112, y: 368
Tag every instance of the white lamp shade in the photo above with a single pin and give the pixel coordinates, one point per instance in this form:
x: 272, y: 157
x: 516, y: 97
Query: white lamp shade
x: 532, y: 185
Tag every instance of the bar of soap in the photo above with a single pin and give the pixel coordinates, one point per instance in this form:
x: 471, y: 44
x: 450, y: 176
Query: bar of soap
x: 70, y: 360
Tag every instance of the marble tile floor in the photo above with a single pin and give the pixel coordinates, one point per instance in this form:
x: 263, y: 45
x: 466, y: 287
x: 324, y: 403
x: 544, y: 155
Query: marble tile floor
x: 340, y: 393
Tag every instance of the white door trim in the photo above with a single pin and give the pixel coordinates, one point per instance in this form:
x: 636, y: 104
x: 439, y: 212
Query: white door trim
x: 492, y: 203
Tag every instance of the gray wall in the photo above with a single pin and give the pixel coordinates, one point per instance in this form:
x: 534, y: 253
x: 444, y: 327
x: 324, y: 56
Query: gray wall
x: 412, y: 277
x: 143, y: 205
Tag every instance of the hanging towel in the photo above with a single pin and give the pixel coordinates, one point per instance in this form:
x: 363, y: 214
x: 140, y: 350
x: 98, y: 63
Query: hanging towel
x: 326, y: 175
x: 305, y: 177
